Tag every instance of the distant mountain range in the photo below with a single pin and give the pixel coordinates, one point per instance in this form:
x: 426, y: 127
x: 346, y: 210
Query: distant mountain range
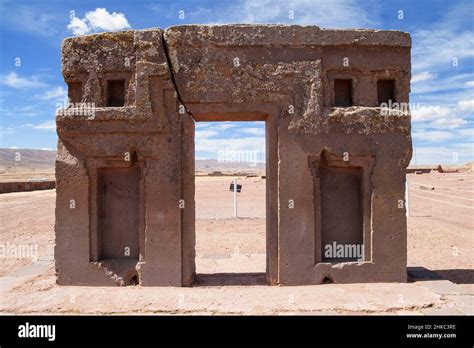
x: 212, y: 165
x: 44, y: 159
x: 27, y: 158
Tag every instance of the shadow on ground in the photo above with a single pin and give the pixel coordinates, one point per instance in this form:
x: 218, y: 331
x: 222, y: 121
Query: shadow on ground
x: 457, y: 276
x: 221, y: 279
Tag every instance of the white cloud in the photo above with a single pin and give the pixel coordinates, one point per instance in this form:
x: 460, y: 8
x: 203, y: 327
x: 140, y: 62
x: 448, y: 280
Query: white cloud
x: 447, y: 40
x: 232, y: 144
x: 449, y: 123
x: 206, y: 141
x: 98, y: 20
x: 48, y: 125
x: 14, y: 81
x: 28, y: 110
x: 445, y: 50
x: 466, y: 105
x: 58, y: 92
x: 435, y: 116
x: 78, y: 26
x: 456, y: 154
x: 212, y: 140
x: 253, y: 131
x: 222, y: 126
x: 428, y: 113
x: 323, y: 13
x: 101, y: 19
x: 448, y: 83
x: 467, y: 132
x: 201, y: 125
x: 449, y: 99
x: 440, y: 48
x: 204, y: 134
x: 433, y: 136
x: 215, y: 126
x: 423, y: 76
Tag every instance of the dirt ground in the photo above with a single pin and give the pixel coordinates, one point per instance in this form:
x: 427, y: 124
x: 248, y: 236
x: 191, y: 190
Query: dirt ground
x: 441, y: 225
x: 12, y: 174
x: 230, y: 260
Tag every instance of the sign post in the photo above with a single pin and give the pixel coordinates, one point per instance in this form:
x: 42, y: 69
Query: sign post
x: 235, y: 198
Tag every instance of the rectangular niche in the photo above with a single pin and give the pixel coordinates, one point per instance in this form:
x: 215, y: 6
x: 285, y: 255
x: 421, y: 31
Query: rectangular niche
x: 343, y: 92
x: 116, y: 93
x: 118, y: 200
x: 385, y: 91
x: 341, y: 213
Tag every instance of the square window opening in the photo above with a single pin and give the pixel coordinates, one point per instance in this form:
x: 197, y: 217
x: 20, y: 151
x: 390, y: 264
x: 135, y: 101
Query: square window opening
x: 116, y: 93
x: 386, y: 91
x: 343, y: 92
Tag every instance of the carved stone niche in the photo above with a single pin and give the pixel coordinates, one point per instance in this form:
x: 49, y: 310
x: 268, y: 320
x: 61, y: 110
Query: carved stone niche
x: 114, y: 89
x: 117, y: 215
x: 399, y: 90
x: 353, y: 77
x: 342, y: 201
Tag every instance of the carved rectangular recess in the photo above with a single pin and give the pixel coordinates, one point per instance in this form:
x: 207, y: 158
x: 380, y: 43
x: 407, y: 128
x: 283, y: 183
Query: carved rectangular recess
x: 343, y: 92
x: 115, y: 88
x: 386, y: 91
x: 342, y: 206
x: 118, y: 220
x: 341, y: 213
x: 340, y: 87
x: 116, y: 93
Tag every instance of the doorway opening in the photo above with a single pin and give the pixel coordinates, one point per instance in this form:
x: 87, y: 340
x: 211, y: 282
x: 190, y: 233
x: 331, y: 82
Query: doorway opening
x: 230, y: 219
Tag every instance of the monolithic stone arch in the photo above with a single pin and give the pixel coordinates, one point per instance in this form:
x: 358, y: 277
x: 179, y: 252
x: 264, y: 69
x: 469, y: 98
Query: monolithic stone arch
x: 128, y: 161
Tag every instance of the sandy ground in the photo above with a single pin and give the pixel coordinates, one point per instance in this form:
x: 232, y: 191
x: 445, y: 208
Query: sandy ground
x: 13, y: 175
x: 441, y: 225
x: 230, y: 260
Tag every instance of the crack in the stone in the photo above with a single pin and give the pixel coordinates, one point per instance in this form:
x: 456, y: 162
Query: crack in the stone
x: 173, y: 80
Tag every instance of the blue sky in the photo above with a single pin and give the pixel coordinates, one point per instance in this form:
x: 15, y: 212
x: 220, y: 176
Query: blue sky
x: 31, y: 84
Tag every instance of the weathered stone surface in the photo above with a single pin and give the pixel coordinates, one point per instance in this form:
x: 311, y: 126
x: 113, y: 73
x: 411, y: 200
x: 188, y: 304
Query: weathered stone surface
x: 143, y: 92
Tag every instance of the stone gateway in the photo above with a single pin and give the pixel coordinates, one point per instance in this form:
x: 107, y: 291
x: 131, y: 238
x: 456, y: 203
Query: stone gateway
x: 335, y: 164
